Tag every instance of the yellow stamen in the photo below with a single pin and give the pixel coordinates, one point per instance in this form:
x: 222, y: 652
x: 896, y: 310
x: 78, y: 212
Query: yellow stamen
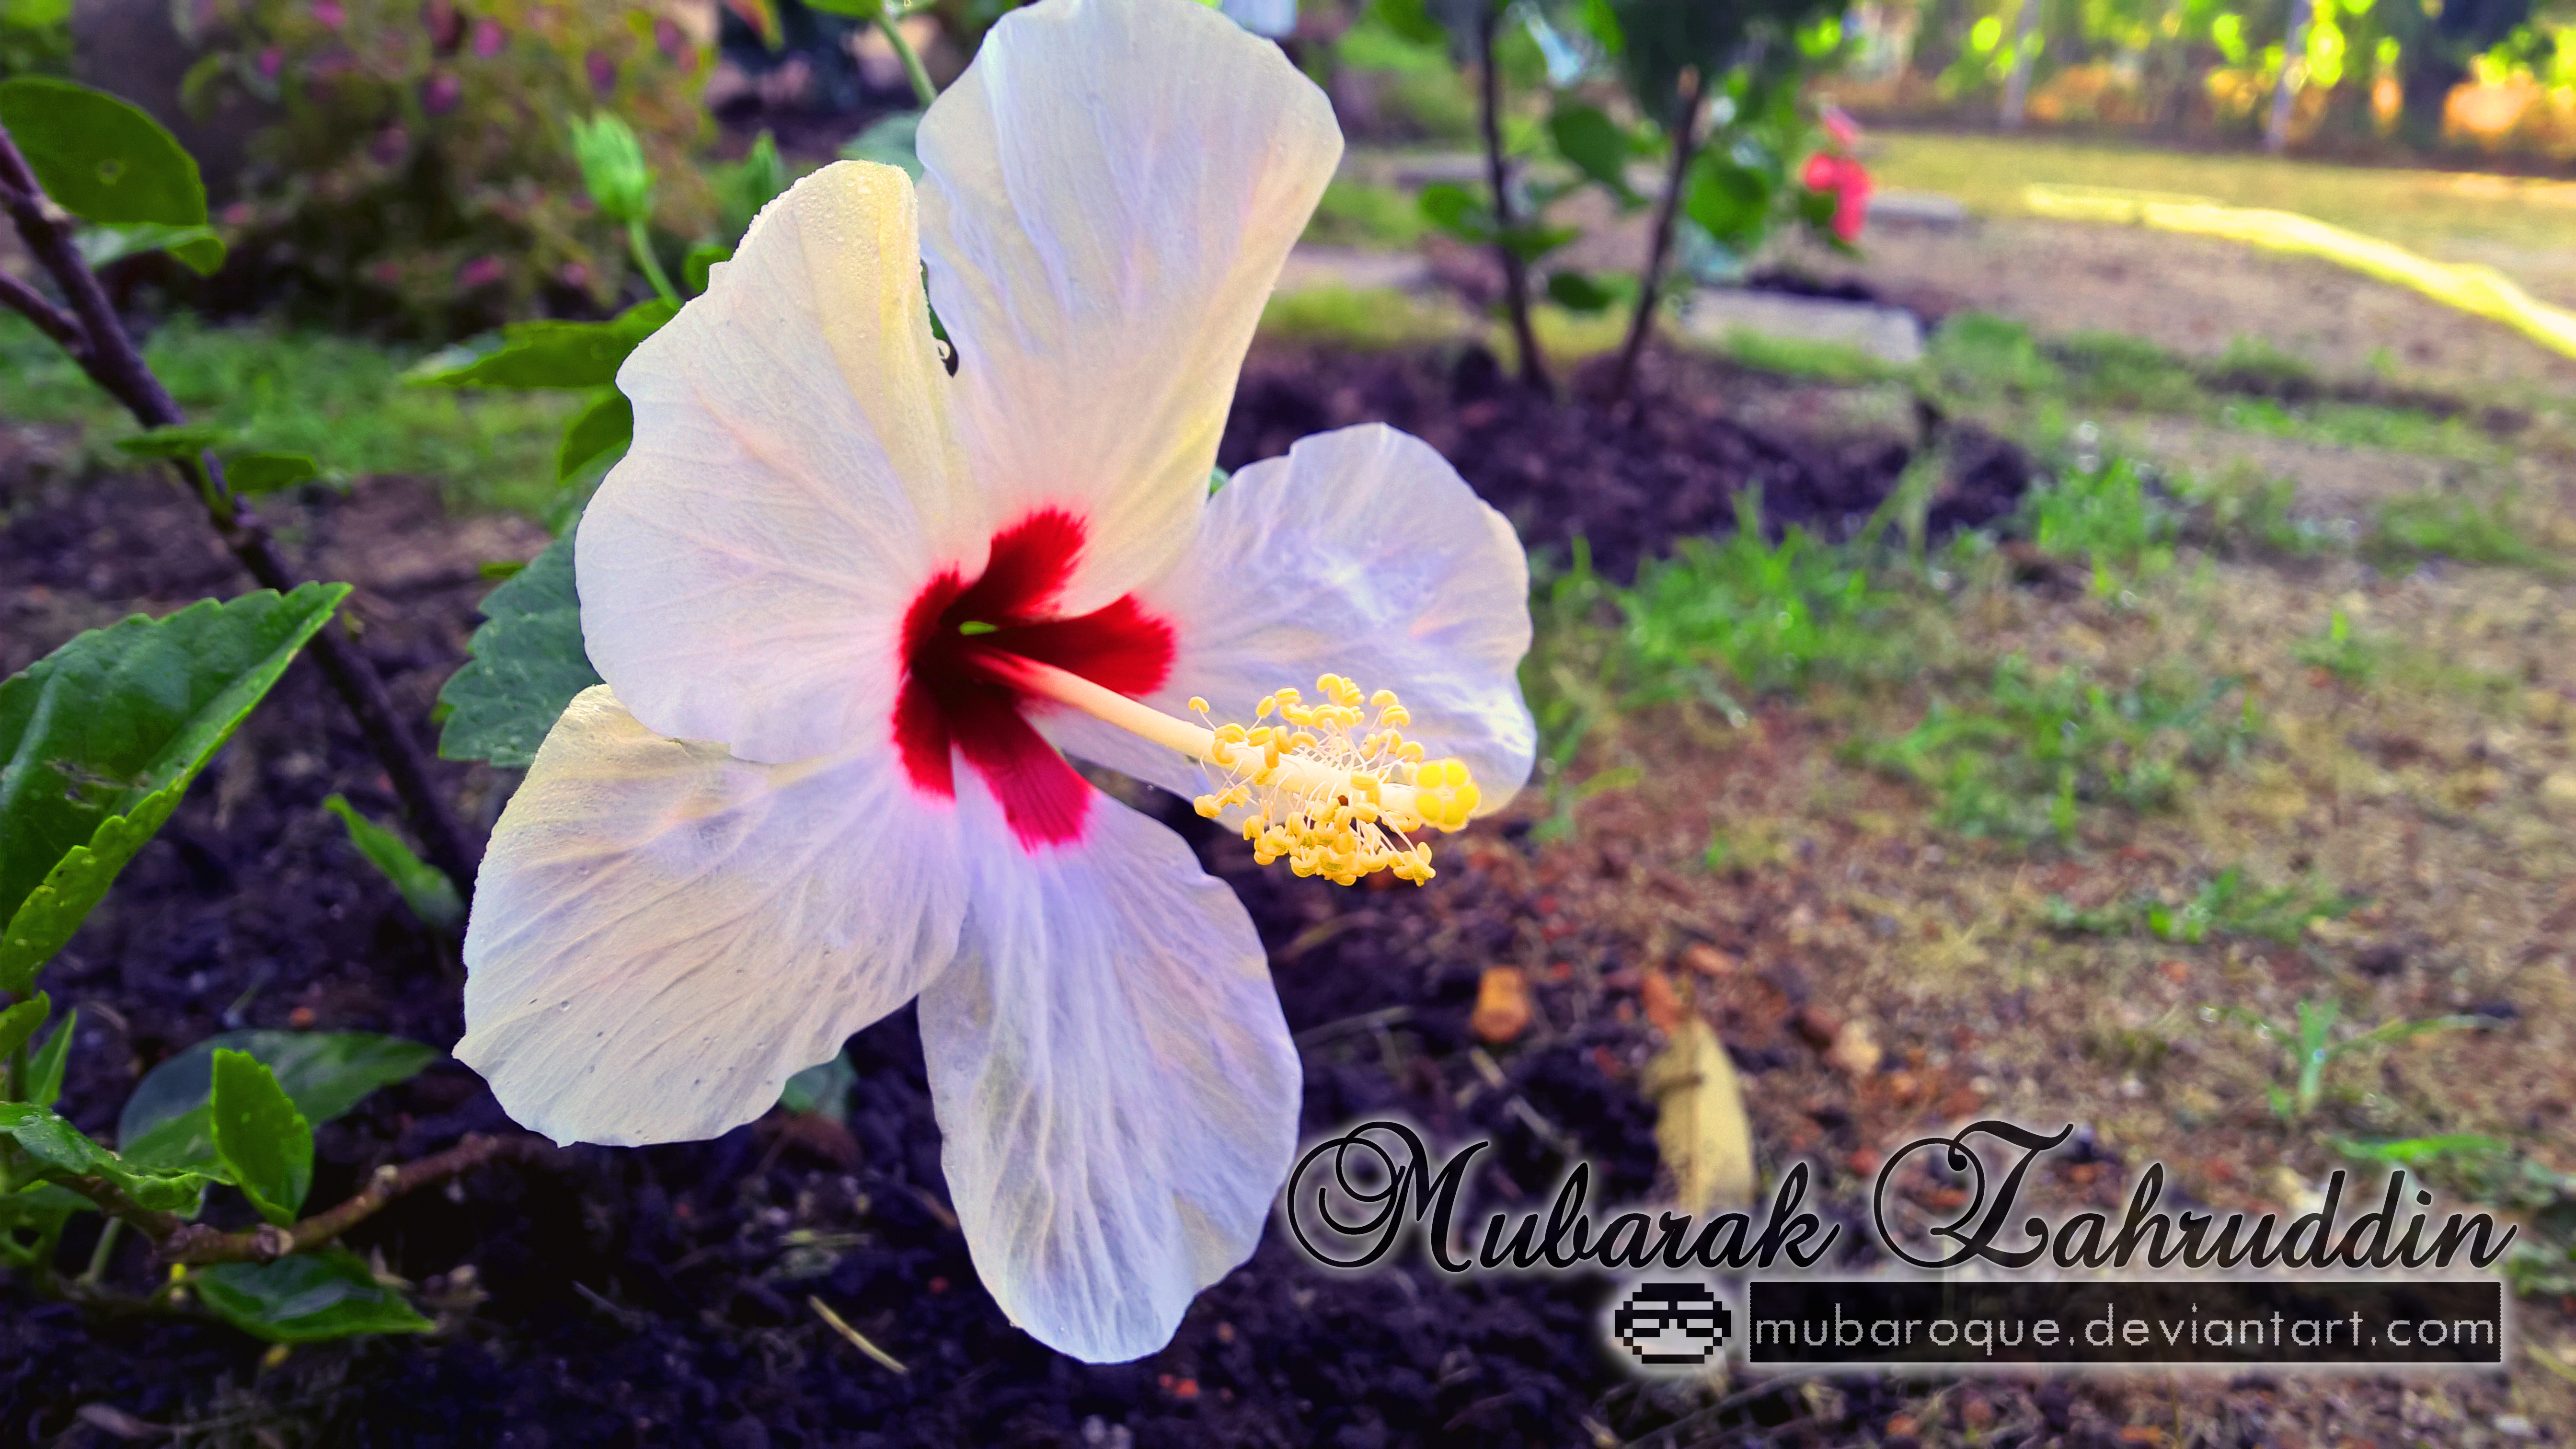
x: 1334, y: 790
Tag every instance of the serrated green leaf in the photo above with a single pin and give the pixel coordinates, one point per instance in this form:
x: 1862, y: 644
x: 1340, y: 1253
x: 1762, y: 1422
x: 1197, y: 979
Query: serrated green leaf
x: 605, y: 424
x: 99, y: 158
x: 267, y: 472
x: 424, y: 887
x: 528, y: 664
x: 45, y: 1068
x: 57, y: 1145
x: 306, y: 1298
x: 99, y: 739
x: 325, y: 1073
x: 20, y: 1023
x: 198, y: 248
x: 181, y: 440
x: 551, y: 354
x: 263, y: 1142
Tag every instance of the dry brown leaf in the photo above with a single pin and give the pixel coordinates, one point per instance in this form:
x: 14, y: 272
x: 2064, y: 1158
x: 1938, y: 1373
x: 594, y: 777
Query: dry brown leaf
x: 1663, y: 1004
x: 1855, y: 1052
x: 1502, y: 1005
x: 1700, y: 1126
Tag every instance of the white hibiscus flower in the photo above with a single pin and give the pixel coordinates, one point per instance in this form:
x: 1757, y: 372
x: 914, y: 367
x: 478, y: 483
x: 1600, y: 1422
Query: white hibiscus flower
x: 850, y: 610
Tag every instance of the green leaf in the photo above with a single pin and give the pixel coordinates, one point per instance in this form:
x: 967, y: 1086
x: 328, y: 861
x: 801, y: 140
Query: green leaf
x: 180, y: 440
x: 855, y: 9
x: 198, y: 248
x: 1456, y: 210
x: 306, y: 1298
x: 1730, y: 199
x: 268, y: 472
x: 165, y: 1122
x: 1585, y: 135
x: 528, y: 664
x: 1578, y: 293
x: 889, y: 142
x: 99, y: 739
x: 263, y: 1142
x: 699, y: 262
x: 424, y: 887
x: 1411, y: 19
x: 41, y: 1207
x: 20, y: 1023
x: 823, y: 1089
x: 605, y: 424
x: 59, y: 1146
x: 1530, y: 240
x: 45, y: 1068
x: 99, y: 158
x: 550, y: 354
x: 745, y: 186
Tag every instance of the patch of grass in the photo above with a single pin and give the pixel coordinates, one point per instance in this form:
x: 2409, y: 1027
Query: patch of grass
x: 336, y: 398
x: 2225, y: 905
x: 2022, y: 761
x: 2105, y: 512
x: 2113, y: 370
x: 2246, y: 510
x: 2456, y: 527
x: 2252, y: 364
x: 1837, y: 362
x: 1363, y: 214
x: 1978, y: 355
x: 1376, y: 319
x: 2311, y: 1046
x: 2426, y: 208
x: 2359, y: 425
x: 1741, y: 616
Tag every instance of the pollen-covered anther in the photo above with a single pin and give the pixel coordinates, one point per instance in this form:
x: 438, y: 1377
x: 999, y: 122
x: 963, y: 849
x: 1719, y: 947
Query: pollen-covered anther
x: 1335, y: 788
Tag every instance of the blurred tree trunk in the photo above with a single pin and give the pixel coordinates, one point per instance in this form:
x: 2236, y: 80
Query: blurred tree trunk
x: 2285, y: 91
x: 1516, y: 291
x: 2017, y: 85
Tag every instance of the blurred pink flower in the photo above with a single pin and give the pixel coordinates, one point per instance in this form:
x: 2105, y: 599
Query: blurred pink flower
x: 671, y: 39
x: 603, y: 71
x: 390, y: 146
x: 386, y: 273
x: 480, y: 272
x: 489, y: 37
x: 440, y: 93
x: 330, y: 13
x: 1839, y: 125
x: 1848, y: 183
x: 574, y: 275
x: 271, y: 62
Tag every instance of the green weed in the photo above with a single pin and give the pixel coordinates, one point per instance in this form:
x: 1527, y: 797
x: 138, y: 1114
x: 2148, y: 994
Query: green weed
x: 1837, y: 362
x: 1978, y: 355
x: 2310, y: 1047
x: 2111, y: 370
x: 2245, y: 510
x: 2105, y: 512
x: 2339, y: 652
x: 2022, y: 762
x: 2225, y: 905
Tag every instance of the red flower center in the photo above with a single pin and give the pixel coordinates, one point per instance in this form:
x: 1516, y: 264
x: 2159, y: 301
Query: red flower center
x: 952, y: 704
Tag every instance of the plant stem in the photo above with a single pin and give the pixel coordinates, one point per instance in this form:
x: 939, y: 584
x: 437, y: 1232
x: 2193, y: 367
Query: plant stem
x: 1667, y: 211
x: 108, y: 355
x: 196, y: 1244
x: 1516, y: 294
x: 639, y: 240
x: 922, y: 90
x: 99, y: 1256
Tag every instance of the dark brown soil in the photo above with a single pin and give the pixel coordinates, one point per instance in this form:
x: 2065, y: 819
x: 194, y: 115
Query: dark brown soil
x: 660, y: 1296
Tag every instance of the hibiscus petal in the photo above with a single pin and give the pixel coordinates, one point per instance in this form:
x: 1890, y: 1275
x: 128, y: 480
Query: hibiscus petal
x: 663, y: 934
x: 1361, y: 553
x: 1115, y: 1085
x: 744, y: 571
x: 1109, y: 191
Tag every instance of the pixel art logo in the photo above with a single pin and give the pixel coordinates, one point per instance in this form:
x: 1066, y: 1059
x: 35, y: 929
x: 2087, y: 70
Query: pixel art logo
x: 1672, y: 1323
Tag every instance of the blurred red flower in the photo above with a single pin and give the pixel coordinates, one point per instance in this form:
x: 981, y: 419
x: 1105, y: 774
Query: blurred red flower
x: 1848, y: 183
